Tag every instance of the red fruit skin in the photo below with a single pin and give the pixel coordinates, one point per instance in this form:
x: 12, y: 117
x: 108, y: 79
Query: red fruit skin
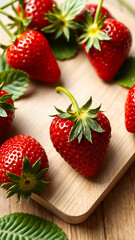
x: 130, y: 110
x: 91, y: 8
x: 113, y: 52
x: 12, y: 152
x: 36, y: 10
x: 85, y: 158
x: 5, y: 122
x: 31, y: 53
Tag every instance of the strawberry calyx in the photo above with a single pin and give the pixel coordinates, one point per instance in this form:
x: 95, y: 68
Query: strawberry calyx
x: 62, y: 18
x: 4, y: 105
x: 91, y: 30
x: 83, y: 117
x: 30, y: 181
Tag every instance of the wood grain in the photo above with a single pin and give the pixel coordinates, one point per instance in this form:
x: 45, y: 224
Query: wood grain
x: 113, y: 219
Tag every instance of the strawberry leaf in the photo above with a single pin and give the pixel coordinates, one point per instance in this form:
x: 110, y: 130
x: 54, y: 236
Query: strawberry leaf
x: 63, y: 49
x: 15, y: 82
x: 72, y: 7
x: 3, y: 64
x: 126, y: 74
x: 26, y: 226
x: 3, y: 112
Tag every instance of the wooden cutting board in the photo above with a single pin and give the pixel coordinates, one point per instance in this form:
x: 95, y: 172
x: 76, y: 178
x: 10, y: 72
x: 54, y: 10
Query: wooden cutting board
x: 69, y: 195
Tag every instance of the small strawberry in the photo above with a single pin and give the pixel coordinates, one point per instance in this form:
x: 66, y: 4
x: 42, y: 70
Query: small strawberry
x: 81, y: 136
x: 23, y: 166
x: 6, y: 113
x: 106, y: 42
x: 36, y: 9
x: 91, y: 9
x: 31, y: 53
x: 130, y: 110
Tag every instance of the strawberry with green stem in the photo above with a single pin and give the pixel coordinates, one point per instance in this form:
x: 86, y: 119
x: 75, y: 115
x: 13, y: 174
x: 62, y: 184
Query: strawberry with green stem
x: 106, y: 42
x: 30, y: 51
x: 6, y: 112
x: 81, y: 136
x: 23, y: 166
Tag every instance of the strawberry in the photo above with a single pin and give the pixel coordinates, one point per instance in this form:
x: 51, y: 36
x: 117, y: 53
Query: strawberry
x: 36, y: 9
x: 130, y: 110
x: 81, y: 136
x: 91, y: 8
x: 6, y: 113
x: 106, y: 43
x: 31, y: 53
x: 23, y: 166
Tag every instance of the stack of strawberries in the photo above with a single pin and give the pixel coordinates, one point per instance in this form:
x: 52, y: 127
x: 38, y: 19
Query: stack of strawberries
x: 84, y: 138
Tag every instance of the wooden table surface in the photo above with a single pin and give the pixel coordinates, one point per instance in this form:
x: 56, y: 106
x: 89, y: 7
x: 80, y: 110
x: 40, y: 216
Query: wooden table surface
x: 114, y: 219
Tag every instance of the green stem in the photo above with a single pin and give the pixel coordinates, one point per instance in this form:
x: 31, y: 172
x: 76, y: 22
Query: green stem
x: 5, y: 28
x: 127, y: 6
x: 8, y: 4
x: 76, y: 107
x: 4, y: 13
x: 98, y: 12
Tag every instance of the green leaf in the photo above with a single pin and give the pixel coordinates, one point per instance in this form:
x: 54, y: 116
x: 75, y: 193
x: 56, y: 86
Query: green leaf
x: 88, y: 17
x: 62, y: 48
x: 58, y: 110
x: 75, y: 130
x: 87, y: 132
x: 7, y: 106
x: 29, y: 227
x: 126, y: 74
x: 57, y: 10
x: 69, y: 109
x: 72, y: 7
x: 36, y: 167
x: 26, y: 165
x: 15, y: 82
x: 66, y: 33
x: 41, y: 174
x: 94, y: 111
x: 5, y: 98
x: 87, y: 104
x: 26, y: 21
x: 13, y: 177
x: 3, y: 112
x: 3, y: 64
x: 94, y: 125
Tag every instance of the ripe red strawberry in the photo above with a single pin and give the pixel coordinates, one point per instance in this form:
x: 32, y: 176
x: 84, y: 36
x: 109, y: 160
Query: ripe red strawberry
x: 106, y: 43
x: 130, y: 110
x: 91, y: 8
x: 81, y: 136
x: 36, y: 9
x: 23, y: 166
x: 6, y: 113
x: 31, y: 53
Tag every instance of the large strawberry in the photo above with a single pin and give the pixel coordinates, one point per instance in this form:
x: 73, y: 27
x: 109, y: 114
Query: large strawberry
x: 130, y: 110
x: 23, y: 166
x: 31, y: 53
x: 106, y: 42
x: 91, y: 8
x: 36, y: 9
x: 6, y: 113
x: 81, y: 136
